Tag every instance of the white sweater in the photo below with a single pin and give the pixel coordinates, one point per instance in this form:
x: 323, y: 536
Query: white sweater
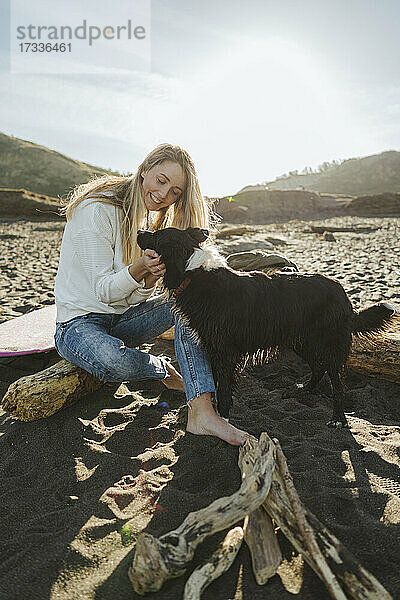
x: 92, y: 276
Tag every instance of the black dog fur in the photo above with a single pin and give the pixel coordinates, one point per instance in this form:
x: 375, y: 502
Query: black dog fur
x: 236, y: 315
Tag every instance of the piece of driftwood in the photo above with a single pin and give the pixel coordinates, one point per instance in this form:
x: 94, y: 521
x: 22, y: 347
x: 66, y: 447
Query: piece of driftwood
x: 380, y: 359
x: 168, y: 335
x: 43, y: 394
x: 327, y: 556
x: 306, y: 532
x: 259, y: 535
x: 219, y: 562
x: 333, y: 229
x: 157, y: 560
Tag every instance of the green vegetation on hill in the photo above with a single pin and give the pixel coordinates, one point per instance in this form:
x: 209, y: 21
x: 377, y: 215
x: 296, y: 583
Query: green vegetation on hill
x: 375, y: 174
x: 39, y: 169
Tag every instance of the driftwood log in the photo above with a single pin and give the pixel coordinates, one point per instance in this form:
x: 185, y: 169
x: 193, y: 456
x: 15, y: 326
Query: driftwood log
x: 333, y: 229
x: 168, y: 335
x: 157, y: 560
x: 259, y: 535
x: 218, y: 563
x: 327, y: 556
x: 380, y: 358
x: 43, y: 394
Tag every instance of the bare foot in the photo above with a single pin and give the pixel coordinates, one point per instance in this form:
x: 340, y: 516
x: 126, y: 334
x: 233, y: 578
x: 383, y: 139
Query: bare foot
x: 173, y: 381
x: 203, y: 420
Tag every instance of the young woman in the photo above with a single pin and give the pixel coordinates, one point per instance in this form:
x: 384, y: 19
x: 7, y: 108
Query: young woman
x: 104, y: 282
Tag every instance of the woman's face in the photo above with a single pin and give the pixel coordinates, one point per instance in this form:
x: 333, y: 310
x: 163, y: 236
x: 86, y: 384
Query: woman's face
x: 162, y: 185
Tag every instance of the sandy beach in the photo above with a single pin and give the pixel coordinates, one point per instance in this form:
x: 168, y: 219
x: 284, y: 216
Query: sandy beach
x: 77, y: 488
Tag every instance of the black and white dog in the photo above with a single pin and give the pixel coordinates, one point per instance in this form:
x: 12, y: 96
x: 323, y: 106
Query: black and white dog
x: 236, y: 314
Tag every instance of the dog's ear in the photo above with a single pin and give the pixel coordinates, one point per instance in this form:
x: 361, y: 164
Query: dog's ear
x: 145, y: 239
x: 175, y: 262
x: 199, y: 235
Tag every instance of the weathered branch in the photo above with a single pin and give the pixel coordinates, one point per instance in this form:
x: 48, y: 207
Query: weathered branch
x: 259, y: 535
x: 333, y: 229
x: 326, y: 555
x: 218, y: 563
x: 306, y: 532
x: 156, y: 560
x: 43, y: 394
x: 168, y: 335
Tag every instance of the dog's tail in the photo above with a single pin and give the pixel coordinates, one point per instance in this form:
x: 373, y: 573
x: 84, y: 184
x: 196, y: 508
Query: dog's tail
x: 375, y: 319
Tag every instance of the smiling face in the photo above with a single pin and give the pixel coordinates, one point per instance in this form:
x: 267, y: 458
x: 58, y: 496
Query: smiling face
x: 162, y: 185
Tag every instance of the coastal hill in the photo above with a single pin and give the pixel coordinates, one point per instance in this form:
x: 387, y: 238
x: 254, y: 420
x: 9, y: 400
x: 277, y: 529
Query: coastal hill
x: 260, y: 204
x: 34, y: 177
x: 32, y: 167
x: 375, y: 174
x: 368, y: 186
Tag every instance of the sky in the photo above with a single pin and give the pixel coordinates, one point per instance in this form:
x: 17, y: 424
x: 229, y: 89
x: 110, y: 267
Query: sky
x: 251, y: 89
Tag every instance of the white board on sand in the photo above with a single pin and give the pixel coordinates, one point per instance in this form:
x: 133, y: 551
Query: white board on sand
x: 33, y: 332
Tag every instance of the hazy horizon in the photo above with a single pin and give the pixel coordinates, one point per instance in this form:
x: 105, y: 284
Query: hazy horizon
x: 250, y: 90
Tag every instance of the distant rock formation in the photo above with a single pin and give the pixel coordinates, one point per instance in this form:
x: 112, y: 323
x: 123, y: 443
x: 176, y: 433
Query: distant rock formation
x: 258, y: 204
x: 379, y: 205
x: 22, y: 204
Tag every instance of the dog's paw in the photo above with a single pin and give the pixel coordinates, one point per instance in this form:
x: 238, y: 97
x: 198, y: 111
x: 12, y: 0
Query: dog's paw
x: 338, y: 424
x: 302, y: 393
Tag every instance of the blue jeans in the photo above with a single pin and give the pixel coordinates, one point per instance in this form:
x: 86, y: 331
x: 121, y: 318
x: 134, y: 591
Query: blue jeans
x: 104, y: 345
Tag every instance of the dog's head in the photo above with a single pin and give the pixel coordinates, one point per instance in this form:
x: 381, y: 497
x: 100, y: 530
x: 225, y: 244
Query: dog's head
x: 175, y: 246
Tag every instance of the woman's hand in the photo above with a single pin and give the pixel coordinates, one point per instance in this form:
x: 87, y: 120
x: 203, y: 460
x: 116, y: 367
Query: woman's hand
x: 152, y: 262
x: 148, y: 267
x: 155, y: 267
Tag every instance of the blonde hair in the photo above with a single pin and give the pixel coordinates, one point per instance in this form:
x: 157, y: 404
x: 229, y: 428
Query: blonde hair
x: 190, y: 210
